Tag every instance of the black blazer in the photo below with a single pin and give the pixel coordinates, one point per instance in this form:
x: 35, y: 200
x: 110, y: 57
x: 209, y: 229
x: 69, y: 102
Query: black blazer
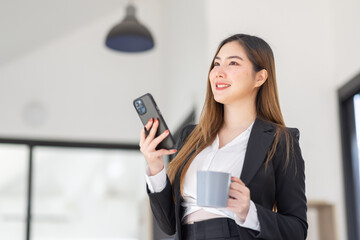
x: 280, y: 184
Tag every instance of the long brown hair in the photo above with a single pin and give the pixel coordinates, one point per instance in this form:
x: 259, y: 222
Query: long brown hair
x: 212, y: 114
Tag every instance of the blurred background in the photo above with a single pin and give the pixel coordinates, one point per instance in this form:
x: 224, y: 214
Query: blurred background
x: 69, y: 132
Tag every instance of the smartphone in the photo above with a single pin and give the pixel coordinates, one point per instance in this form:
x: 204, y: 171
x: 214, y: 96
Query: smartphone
x: 146, y: 108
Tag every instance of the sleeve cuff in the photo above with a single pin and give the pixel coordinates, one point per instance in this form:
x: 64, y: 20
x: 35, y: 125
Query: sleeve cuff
x: 157, y: 182
x: 252, y: 220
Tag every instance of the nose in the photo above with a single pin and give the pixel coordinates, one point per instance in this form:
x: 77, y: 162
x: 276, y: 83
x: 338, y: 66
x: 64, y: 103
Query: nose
x: 220, y: 73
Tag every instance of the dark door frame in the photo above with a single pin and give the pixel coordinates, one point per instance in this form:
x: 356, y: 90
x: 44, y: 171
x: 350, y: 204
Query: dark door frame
x: 349, y: 156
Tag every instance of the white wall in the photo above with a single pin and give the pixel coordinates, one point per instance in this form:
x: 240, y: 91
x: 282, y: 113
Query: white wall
x: 184, y: 61
x: 347, y: 51
x: 83, y: 90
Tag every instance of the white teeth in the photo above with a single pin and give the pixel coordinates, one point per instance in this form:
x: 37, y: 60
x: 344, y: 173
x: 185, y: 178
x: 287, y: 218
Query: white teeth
x: 222, y: 85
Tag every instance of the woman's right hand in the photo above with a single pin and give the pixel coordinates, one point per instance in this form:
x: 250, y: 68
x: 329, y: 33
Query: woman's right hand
x: 148, y: 145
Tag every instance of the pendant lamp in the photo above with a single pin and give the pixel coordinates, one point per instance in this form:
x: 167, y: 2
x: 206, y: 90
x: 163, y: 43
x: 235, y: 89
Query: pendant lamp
x: 129, y: 35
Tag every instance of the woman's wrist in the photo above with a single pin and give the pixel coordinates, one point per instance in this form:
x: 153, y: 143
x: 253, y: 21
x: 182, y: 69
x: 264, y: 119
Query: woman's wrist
x: 156, y: 168
x: 243, y: 215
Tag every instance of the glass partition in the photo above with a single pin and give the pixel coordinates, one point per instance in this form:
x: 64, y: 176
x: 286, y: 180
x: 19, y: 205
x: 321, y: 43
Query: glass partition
x: 95, y: 194
x: 13, y: 191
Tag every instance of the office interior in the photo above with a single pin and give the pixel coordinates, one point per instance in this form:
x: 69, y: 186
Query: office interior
x: 66, y: 105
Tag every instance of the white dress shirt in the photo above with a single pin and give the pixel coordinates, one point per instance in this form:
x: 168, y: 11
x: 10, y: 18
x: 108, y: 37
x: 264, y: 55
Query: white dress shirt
x: 229, y: 158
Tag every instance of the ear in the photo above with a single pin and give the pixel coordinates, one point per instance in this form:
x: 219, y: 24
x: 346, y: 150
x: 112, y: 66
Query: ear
x: 261, y: 77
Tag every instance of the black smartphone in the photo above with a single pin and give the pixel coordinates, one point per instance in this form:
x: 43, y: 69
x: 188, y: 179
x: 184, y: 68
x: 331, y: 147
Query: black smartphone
x: 146, y: 108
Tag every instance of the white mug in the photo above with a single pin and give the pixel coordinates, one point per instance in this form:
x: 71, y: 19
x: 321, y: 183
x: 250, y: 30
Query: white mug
x: 213, y: 188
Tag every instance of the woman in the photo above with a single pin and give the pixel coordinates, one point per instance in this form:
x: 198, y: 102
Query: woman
x: 241, y: 131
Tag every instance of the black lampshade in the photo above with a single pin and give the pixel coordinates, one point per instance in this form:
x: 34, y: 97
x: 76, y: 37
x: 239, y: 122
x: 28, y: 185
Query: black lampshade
x: 129, y: 35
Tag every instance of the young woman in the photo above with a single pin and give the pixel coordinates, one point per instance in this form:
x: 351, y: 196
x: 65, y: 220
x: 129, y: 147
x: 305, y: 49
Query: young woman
x: 241, y: 131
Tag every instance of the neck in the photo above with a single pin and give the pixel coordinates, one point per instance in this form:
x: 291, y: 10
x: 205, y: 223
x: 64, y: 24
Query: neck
x: 239, y: 115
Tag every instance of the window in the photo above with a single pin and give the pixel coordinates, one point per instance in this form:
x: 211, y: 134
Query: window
x: 83, y: 193
x: 13, y: 194
x: 73, y: 190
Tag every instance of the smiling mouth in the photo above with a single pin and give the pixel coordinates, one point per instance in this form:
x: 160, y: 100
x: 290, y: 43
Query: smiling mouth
x: 222, y: 85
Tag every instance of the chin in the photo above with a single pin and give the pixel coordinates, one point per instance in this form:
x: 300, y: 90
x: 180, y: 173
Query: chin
x: 220, y: 100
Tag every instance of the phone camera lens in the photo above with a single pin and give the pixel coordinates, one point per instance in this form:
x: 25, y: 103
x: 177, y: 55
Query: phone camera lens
x: 140, y: 107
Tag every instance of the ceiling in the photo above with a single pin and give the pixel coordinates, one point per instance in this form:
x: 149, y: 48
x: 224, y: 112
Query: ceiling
x: 28, y: 25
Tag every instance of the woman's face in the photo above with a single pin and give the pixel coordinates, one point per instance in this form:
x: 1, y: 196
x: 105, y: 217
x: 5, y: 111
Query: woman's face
x: 232, y: 78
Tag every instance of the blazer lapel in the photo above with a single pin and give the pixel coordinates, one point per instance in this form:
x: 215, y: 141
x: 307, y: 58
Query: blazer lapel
x: 260, y: 140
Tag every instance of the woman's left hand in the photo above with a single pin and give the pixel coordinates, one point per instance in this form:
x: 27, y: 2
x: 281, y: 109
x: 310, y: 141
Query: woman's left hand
x: 239, y: 198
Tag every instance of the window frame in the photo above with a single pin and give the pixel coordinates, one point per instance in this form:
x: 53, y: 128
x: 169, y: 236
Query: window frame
x: 346, y: 95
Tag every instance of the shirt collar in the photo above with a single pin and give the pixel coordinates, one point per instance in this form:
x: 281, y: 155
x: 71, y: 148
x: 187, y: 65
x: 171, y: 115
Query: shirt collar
x: 237, y: 139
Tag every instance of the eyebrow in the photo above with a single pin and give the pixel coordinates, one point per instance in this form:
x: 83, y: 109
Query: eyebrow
x: 230, y: 57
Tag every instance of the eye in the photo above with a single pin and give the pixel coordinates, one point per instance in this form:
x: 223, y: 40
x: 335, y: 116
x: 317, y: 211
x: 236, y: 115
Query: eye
x: 216, y: 64
x: 233, y: 63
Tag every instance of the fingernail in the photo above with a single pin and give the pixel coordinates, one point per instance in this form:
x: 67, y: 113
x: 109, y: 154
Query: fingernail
x: 167, y: 131
x: 174, y: 150
x: 156, y: 120
x: 151, y: 119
